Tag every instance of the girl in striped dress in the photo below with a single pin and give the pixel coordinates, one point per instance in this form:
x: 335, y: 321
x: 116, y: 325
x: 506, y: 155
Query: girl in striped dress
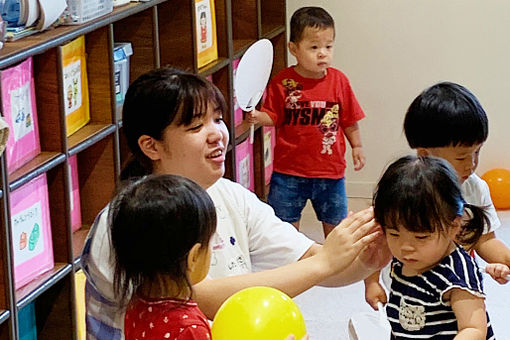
x: 436, y: 290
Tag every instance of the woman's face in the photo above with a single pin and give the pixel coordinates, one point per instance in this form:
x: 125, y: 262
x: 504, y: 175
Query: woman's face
x: 196, y: 151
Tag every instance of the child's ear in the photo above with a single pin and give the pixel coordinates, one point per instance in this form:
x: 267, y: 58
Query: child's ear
x: 292, y: 48
x: 193, y: 257
x: 149, y: 147
x: 455, y: 228
x: 423, y: 152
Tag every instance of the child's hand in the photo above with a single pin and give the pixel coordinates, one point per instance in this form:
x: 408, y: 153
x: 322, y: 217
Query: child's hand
x: 375, y: 293
x: 258, y: 117
x: 253, y: 116
x: 498, y: 271
x: 358, y: 158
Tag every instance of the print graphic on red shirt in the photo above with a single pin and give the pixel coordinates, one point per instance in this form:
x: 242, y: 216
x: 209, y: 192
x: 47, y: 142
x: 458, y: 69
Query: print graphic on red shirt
x: 165, y: 319
x: 309, y: 116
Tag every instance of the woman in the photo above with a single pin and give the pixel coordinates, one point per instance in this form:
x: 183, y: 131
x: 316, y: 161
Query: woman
x: 173, y: 122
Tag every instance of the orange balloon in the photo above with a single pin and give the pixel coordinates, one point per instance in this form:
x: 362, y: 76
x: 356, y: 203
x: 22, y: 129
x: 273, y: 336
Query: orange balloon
x: 499, y: 186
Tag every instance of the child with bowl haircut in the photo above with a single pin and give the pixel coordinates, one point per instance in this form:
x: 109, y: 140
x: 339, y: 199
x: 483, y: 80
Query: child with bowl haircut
x: 312, y: 106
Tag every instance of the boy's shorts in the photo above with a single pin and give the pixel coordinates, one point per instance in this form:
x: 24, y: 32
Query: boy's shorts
x: 288, y: 195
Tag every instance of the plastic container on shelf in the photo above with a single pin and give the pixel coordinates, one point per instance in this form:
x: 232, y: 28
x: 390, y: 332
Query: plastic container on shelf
x: 121, y: 53
x: 80, y: 11
x: 120, y: 2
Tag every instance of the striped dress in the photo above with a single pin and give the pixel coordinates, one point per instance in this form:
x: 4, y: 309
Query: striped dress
x: 416, y: 309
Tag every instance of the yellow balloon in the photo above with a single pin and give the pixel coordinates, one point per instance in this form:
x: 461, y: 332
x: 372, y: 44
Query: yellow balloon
x: 258, y: 313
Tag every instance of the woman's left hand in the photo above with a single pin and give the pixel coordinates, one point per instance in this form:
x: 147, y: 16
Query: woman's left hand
x: 376, y: 254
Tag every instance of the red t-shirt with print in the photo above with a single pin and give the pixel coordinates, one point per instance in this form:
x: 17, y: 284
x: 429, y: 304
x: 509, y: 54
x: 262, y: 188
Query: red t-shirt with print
x: 310, y: 115
x: 165, y: 319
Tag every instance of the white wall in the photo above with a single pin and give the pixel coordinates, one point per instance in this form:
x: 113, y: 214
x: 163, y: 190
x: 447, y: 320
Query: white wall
x: 393, y: 49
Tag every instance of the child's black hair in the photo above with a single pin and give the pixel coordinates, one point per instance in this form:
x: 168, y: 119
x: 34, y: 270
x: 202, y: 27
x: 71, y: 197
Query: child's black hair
x: 445, y: 114
x: 422, y: 194
x: 157, y: 99
x: 314, y: 17
x: 154, y: 223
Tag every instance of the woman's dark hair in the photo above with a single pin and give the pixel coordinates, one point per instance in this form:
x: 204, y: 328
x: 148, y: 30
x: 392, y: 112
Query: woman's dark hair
x: 422, y: 194
x: 314, y: 17
x: 445, y: 114
x: 157, y: 99
x: 154, y: 223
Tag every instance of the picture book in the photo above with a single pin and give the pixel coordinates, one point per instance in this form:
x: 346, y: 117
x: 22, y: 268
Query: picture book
x: 75, y: 194
x: 74, y: 85
x: 20, y: 112
x: 269, y: 143
x: 206, y: 41
x: 238, y: 112
x: 244, y: 165
x: 31, y: 241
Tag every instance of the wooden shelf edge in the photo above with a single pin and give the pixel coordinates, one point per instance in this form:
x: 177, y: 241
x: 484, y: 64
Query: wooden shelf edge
x: 19, y: 50
x: 89, y: 135
x: 240, y: 46
x: 43, y: 162
x: 39, y: 285
x: 79, y: 237
x: 273, y: 32
x: 213, y: 66
x: 242, y: 131
x: 4, y: 316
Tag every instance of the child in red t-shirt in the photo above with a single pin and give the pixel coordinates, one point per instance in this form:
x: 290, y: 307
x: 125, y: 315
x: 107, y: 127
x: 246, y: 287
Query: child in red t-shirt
x: 160, y: 229
x: 312, y: 106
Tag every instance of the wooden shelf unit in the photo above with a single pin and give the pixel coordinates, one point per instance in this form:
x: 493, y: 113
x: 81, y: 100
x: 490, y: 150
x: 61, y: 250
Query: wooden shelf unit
x: 161, y: 33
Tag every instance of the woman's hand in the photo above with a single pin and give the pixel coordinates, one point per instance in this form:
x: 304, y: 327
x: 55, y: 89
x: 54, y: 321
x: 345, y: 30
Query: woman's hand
x: 347, y: 240
x: 376, y: 254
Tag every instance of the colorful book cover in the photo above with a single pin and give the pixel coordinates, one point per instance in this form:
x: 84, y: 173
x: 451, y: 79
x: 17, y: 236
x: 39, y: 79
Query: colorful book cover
x: 75, y: 194
x: 244, y: 165
x: 20, y: 112
x: 238, y: 112
x: 269, y: 143
x: 79, y: 292
x: 205, y: 19
x: 26, y: 322
x: 75, y: 87
x: 32, y: 245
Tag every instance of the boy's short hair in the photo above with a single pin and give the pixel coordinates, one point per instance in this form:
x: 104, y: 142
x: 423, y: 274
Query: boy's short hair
x: 445, y: 114
x: 315, y: 17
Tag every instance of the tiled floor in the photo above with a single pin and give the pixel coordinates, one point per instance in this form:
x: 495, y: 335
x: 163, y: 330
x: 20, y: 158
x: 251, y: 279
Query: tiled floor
x: 327, y: 310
